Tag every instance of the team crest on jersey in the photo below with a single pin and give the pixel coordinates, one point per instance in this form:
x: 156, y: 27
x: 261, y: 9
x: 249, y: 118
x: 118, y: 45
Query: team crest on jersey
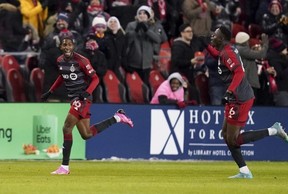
x: 229, y: 61
x: 72, y: 68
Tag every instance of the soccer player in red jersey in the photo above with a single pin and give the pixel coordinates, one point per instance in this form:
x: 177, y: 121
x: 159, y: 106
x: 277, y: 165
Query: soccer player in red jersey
x: 80, y: 79
x: 238, y: 100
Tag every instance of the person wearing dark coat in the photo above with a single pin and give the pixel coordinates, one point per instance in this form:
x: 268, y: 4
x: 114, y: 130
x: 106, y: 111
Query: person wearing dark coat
x: 11, y: 33
x: 116, y: 46
x: 277, y: 57
x: 182, y: 56
x: 98, y: 61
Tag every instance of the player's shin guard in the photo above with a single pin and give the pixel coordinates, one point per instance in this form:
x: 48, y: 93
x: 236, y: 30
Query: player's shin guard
x: 237, y: 155
x: 251, y: 136
x: 67, y: 145
x: 99, y: 127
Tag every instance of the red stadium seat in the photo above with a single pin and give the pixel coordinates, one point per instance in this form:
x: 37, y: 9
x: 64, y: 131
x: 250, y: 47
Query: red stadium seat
x: 9, y: 62
x: 165, y: 45
x: 15, y: 86
x: 155, y: 79
x: 37, y: 81
x: 98, y: 94
x: 201, y: 82
x: 164, y: 61
x: 115, y: 91
x: 31, y: 62
x: 138, y: 91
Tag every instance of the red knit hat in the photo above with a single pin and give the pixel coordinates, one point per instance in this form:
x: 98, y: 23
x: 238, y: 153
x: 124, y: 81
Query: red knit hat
x: 277, y: 45
x: 275, y: 2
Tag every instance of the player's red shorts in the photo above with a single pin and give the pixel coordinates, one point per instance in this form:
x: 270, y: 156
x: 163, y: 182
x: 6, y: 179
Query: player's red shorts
x: 237, y: 114
x: 80, y: 109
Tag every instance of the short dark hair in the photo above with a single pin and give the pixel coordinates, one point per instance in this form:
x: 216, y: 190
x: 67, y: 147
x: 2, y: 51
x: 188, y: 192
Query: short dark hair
x: 226, y: 33
x: 66, y: 34
x: 183, y: 27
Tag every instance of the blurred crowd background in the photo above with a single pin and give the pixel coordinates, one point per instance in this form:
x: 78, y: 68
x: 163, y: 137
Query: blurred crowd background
x: 134, y: 45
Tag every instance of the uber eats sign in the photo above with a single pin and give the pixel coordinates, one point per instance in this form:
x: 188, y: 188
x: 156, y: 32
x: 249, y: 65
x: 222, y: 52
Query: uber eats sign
x: 27, y: 130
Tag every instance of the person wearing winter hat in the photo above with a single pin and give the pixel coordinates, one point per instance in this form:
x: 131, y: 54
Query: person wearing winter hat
x: 171, y: 91
x: 99, y: 26
x: 275, y: 23
x: 99, y: 22
x: 62, y: 21
x: 97, y: 32
x: 116, y: 43
x: 278, y: 46
x: 242, y: 37
x: 141, y: 36
x: 98, y: 61
x: 275, y: 7
x: 248, y: 56
x: 143, y: 10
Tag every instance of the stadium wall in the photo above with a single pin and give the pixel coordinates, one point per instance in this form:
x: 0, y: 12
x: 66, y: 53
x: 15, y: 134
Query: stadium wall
x: 160, y: 132
x: 164, y: 132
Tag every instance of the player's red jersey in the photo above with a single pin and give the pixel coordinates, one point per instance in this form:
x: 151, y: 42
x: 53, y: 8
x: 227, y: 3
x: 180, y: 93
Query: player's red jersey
x: 231, y: 71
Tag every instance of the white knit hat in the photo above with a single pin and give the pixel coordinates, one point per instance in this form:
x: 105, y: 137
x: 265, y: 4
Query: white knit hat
x: 146, y: 9
x: 99, y: 20
x: 241, y: 37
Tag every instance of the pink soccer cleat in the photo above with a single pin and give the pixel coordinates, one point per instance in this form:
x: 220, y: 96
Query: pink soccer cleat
x: 61, y: 170
x: 124, y: 119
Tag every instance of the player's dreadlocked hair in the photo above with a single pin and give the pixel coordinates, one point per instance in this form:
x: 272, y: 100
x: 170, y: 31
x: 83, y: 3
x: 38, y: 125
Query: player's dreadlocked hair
x: 226, y: 33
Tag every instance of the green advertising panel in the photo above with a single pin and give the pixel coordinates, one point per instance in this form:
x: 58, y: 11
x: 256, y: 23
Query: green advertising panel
x: 34, y: 131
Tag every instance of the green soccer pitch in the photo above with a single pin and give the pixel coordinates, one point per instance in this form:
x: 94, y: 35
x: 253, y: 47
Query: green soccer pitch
x: 141, y: 177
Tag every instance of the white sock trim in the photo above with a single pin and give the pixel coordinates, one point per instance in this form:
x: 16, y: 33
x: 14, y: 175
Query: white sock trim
x: 118, y: 119
x: 272, y: 131
x: 244, y: 169
x: 66, y: 167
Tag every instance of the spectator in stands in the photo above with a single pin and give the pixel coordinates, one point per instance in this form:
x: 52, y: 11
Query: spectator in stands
x: 35, y: 14
x: 167, y: 12
x: 97, y: 32
x: 118, y: 7
x: 78, y: 16
x: 52, y: 39
x: 53, y: 11
x: 226, y: 13
x: 277, y: 57
x: 216, y: 86
x: 248, y: 56
x: 182, y: 57
x: 97, y: 59
x: 116, y: 46
x: 158, y: 27
x: 141, y: 38
x: 12, y: 30
x: 94, y: 9
x: 268, y: 85
x: 171, y: 91
x: 198, y: 15
x: 275, y: 23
